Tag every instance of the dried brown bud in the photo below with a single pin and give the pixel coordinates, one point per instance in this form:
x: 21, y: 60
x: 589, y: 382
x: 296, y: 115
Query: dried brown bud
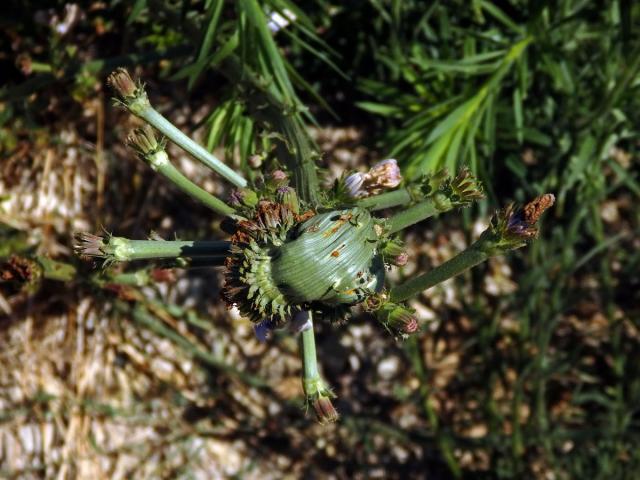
x: 122, y: 83
x: 325, y: 411
x: 89, y: 245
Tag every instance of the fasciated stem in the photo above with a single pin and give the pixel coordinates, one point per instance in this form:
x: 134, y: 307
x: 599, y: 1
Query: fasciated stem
x: 395, y: 198
x: 458, y: 264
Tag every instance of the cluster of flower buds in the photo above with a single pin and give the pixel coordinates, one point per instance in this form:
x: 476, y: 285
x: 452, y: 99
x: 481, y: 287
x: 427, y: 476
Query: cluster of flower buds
x: 382, y: 176
x: 447, y: 192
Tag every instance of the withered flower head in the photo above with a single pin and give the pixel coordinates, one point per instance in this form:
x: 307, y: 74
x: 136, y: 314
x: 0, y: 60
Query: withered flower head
x: 89, y: 245
x: 383, y: 175
x: 512, y: 227
x: 521, y: 222
x: 123, y: 84
x: 130, y: 94
x: 325, y: 411
x: 143, y: 141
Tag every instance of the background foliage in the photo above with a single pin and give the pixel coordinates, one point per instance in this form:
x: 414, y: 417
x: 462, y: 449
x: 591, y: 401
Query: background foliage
x: 526, y: 367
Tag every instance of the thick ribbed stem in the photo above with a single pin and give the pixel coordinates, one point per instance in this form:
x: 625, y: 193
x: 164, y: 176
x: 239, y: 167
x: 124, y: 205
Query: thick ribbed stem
x: 155, y: 119
x: 120, y: 249
x: 386, y: 200
x: 458, y: 264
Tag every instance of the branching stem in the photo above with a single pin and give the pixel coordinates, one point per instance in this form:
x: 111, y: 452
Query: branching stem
x: 164, y: 126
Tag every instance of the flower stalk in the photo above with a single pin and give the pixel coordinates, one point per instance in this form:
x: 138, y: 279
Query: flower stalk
x: 510, y: 229
x: 316, y: 391
x: 134, y: 98
x: 391, y: 199
x: 120, y: 249
x: 441, y: 195
x: 152, y: 151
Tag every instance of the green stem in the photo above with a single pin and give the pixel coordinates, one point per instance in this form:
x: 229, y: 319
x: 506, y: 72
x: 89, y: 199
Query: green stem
x: 155, y: 119
x: 126, y: 250
x: 386, y: 200
x: 159, y: 161
x: 309, y: 358
x: 412, y: 215
x: 470, y: 257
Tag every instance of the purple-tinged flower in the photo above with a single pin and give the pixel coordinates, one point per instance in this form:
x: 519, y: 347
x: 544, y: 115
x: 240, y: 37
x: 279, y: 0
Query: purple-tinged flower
x: 300, y: 322
x: 398, y: 319
x: 263, y: 329
x: 353, y: 184
x: 400, y: 260
x: 279, y: 176
x: 521, y: 222
x: 384, y: 174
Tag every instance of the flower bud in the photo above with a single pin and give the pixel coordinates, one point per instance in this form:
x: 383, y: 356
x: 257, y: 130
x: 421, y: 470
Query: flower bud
x: 400, y: 260
x: 143, y: 141
x: 278, y: 177
x: 398, y: 319
x: 130, y: 94
x: 353, y: 184
x: 383, y: 175
x: 287, y: 196
x: 243, y: 197
x: 123, y: 84
x: 319, y: 396
x: 325, y: 411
